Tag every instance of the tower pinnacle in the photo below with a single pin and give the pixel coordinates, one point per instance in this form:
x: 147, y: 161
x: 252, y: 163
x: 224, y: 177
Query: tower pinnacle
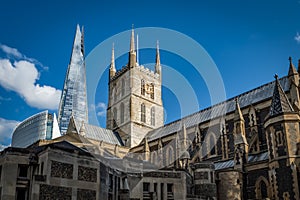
x: 238, y: 112
x: 132, y: 43
x: 157, y: 61
x: 132, y: 52
x: 112, y: 69
x: 292, y: 69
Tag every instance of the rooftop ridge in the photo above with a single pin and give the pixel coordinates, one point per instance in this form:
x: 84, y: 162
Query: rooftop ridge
x: 219, y: 104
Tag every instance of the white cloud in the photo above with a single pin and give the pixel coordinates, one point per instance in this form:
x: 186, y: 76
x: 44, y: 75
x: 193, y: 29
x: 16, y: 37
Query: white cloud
x: 15, y: 54
x: 21, y: 77
x: 100, y: 108
x: 6, y: 129
x: 11, y: 51
x: 297, y: 38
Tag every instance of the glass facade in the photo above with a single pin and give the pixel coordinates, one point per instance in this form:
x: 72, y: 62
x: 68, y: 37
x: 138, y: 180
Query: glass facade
x: 39, y: 126
x: 73, y: 100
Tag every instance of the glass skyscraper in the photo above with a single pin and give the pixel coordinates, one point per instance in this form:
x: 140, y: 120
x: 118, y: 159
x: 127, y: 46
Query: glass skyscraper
x: 41, y: 126
x: 73, y: 99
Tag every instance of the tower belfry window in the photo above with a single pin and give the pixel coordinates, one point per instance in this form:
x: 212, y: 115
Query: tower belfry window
x: 152, y: 91
x: 211, y: 144
x: 123, y: 87
x: 115, y: 117
x: 122, y: 112
x: 143, y: 87
x: 153, y: 116
x: 143, y: 113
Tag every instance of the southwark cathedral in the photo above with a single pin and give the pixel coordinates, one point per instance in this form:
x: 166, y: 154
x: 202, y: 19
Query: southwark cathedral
x: 247, y: 147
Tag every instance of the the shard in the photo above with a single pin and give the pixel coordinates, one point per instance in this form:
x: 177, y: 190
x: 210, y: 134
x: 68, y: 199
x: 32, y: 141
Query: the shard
x: 73, y: 100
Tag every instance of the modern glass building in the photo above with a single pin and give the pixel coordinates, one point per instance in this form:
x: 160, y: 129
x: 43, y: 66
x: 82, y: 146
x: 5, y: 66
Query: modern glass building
x: 73, y: 99
x: 39, y: 126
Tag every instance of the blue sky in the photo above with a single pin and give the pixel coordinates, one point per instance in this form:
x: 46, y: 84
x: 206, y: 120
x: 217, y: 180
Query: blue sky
x: 249, y: 41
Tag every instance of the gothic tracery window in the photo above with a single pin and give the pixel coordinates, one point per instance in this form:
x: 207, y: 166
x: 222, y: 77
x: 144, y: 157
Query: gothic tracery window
x: 143, y: 87
x: 114, y: 117
x: 211, y: 146
x: 153, y: 116
x: 122, y: 112
x: 123, y: 87
x: 143, y: 112
x: 170, y: 158
x: 262, y: 188
x: 152, y: 91
x: 154, y: 157
x: 115, y: 94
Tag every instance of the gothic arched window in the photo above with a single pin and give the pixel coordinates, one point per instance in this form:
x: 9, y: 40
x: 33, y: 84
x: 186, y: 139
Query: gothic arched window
x: 114, y: 117
x: 143, y: 87
x: 170, y: 155
x: 261, y: 185
x: 153, y: 116
x: 143, y: 112
x: 279, y: 138
x: 122, y: 112
x: 123, y: 87
x: 115, y: 94
x: 152, y: 91
x: 154, y: 157
x: 211, y: 146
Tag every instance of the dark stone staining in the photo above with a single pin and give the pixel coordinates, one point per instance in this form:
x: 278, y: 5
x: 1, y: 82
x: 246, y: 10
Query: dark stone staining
x: 252, y: 178
x: 83, y: 194
x: 61, y: 170
x: 200, y: 175
x: 270, y: 145
x: 207, y: 190
x: 230, y: 137
x: 103, y: 180
x: 50, y: 192
x: 87, y: 174
x: 283, y: 180
x: 162, y: 174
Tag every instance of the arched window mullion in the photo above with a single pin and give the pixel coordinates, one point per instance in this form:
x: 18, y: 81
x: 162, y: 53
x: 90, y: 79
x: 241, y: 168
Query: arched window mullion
x: 122, y: 112
x: 153, y: 116
x: 143, y: 113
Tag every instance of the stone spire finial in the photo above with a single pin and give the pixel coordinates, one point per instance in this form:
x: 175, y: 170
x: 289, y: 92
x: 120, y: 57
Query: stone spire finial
x: 280, y: 102
x: 157, y: 60
x: 112, y: 69
x: 132, y: 43
x: 238, y: 112
x: 292, y: 69
x: 132, y: 52
x: 82, y: 129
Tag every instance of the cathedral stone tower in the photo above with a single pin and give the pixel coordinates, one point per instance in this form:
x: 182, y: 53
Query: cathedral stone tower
x: 134, y: 104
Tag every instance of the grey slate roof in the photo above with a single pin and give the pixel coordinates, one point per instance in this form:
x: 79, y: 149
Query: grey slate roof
x: 224, y: 164
x: 251, y: 159
x: 100, y: 134
x: 280, y: 102
x: 258, y: 157
x: 246, y: 99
